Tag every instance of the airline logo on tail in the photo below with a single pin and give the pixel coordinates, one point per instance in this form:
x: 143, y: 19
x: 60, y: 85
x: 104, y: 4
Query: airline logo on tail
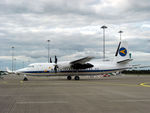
x: 122, y: 51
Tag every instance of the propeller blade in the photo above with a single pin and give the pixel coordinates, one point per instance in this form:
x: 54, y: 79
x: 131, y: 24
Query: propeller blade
x: 56, y: 66
x: 50, y: 60
x: 55, y: 60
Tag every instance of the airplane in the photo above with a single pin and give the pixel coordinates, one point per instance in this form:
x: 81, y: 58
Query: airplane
x: 80, y: 67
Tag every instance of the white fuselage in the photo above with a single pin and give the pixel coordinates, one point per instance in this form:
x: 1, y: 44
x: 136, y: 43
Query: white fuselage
x: 64, y: 69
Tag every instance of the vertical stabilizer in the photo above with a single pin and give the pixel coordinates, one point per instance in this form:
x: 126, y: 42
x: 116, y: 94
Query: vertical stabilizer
x: 122, y: 53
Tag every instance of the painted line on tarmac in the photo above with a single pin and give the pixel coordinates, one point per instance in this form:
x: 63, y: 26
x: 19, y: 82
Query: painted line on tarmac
x: 145, y: 84
x: 10, y: 83
x: 115, y: 84
x: 4, y: 82
x: 43, y: 102
x: 132, y: 100
x: 21, y: 81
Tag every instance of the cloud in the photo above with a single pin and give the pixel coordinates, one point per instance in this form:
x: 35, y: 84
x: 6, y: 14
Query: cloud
x: 73, y: 28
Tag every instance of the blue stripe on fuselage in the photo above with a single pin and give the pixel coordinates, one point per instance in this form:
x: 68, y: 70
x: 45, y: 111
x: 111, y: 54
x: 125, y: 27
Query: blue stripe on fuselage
x: 71, y: 71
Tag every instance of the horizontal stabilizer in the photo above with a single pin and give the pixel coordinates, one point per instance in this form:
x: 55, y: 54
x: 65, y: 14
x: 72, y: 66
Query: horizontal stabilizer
x: 139, y: 66
x: 125, y: 61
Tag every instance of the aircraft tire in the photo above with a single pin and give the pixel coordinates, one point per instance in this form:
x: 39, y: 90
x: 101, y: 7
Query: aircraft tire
x: 69, y: 77
x: 25, y: 79
x: 77, y: 78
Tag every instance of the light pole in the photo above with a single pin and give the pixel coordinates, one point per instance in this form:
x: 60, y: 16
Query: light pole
x: 15, y: 63
x: 104, y: 27
x: 23, y: 64
x: 12, y: 58
x: 120, y: 34
x: 48, y: 50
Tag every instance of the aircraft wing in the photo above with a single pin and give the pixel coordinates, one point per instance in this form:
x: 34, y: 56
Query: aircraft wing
x: 81, y: 63
x: 82, y: 60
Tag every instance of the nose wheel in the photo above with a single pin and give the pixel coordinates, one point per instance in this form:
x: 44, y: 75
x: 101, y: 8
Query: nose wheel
x: 25, y: 78
x: 77, y: 78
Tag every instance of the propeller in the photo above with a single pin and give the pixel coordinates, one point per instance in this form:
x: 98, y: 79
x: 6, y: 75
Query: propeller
x: 50, y: 60
x: 55, y: 59
x: 56, y: 66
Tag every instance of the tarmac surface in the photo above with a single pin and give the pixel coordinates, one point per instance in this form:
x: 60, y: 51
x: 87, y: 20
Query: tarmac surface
x: 116, y: 94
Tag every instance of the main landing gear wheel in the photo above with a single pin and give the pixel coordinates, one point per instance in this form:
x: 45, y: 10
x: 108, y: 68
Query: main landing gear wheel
x: 69, y: 77
x: 25, y: 79
x: 77, y: 78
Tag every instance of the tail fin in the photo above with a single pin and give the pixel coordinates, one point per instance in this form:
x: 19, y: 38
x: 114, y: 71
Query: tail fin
x: 122, y: 53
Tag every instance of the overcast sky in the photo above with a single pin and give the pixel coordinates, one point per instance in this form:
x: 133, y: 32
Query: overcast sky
x: 73, y: 26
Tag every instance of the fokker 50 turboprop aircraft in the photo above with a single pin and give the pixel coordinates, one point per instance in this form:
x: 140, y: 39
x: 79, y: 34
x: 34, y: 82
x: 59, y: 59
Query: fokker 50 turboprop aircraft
x: 80, y: 67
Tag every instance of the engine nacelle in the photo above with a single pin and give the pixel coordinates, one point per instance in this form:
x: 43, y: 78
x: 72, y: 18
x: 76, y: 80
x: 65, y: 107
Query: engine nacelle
x: 64, y: 65
x: 81, y: 66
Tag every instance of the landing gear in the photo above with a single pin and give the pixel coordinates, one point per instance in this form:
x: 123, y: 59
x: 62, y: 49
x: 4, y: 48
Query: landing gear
x: 77, y: 78
x: 69, y: 77
x: 25, y: 79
